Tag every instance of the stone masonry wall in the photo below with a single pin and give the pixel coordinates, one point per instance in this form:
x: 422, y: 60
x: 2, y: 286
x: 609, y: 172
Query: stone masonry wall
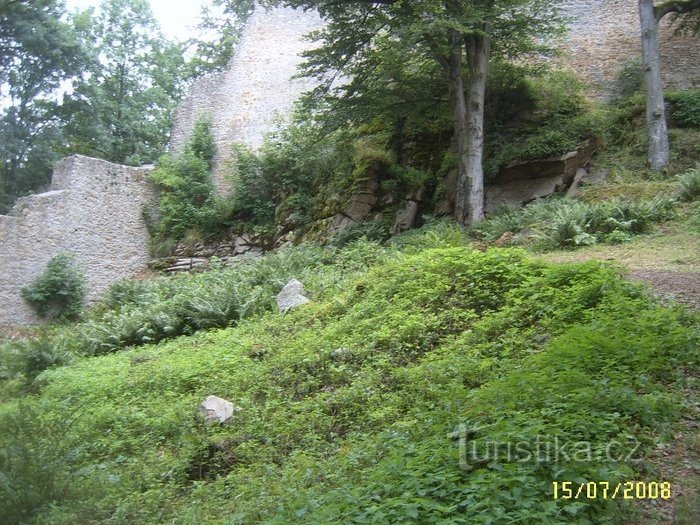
x: 246, y: 100
x: 94, y: 211
x: 604, y: 35
x: 258, y: 85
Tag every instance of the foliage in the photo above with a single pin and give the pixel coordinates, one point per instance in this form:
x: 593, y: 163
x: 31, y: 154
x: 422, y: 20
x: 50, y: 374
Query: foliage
x: 690, y: 184
x: 349, y: 405
x: 300, y: 174
x: 370, y: 230
x: 135, y: 313
x: 188, y: 201
x: 556, y: 120
x: 255, y: 188
x: 226, y: 21
x: 59, y: 292
x: 201, y: 143
x: 38, y: 51
x: 685, y: 107
x: 121, y: 106
x: 625, y: 142
x: 630, y: 80
x: 568, y: 223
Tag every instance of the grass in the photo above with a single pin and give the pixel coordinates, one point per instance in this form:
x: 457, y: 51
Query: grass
x: 673, y: 246
x: 348, y: 405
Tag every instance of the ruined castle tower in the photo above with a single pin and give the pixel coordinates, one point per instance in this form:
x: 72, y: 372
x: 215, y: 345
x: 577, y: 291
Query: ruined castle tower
x: 246, y: 101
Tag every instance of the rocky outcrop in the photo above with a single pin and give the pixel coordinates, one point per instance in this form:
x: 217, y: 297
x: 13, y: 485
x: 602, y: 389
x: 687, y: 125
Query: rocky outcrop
x: 524, y: 182
x: 361, y: 203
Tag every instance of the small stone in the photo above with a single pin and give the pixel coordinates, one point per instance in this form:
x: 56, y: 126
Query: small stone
x: 292, y: 295
x: 216, y: 410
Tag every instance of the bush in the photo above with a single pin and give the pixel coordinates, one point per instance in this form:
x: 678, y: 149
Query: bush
x: 685, y: 108
x: 690, y: 184
x: 201, y: 143
x: 59, y: 292
x: 188, y: 202
x: 349, y: 404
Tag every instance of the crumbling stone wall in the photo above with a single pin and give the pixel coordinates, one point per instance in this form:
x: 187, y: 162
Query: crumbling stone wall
x: 94, y: 211
x: 259, y: 85
x: 245, y: 101
x: 604, y: 35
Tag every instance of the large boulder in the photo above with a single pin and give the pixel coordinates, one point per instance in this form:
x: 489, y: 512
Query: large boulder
x: 359, y: 205
x: 292, y: 295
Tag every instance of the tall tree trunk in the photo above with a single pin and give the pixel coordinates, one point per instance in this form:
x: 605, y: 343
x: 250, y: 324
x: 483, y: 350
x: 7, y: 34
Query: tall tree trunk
x: 454, y: 66
x: 478, y: 56
x: 653, y: 85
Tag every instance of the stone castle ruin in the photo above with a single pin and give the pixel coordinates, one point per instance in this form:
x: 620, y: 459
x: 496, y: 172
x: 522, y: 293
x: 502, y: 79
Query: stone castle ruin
x: 95, y: 208
x: 246, y: 101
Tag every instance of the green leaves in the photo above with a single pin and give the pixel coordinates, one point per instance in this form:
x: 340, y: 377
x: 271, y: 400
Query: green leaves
x: 59, y: 292
x: 121, y: 106
x: 38, y: 51
x: 349, y: 406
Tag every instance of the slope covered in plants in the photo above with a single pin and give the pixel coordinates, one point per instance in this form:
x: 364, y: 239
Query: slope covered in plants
x: 399, y: 395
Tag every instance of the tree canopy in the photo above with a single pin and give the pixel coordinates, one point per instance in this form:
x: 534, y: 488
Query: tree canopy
x: 457, y: 38
x: 39, y: 50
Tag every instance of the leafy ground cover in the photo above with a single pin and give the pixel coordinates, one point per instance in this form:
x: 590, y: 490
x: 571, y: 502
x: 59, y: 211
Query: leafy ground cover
x: 392, y: 398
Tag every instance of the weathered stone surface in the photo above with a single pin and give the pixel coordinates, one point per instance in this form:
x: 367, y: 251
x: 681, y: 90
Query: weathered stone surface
x: 524, y: 182
x: 94, y: 211
x: 446, y: 203
x: 575, y: 184
x: 292, y: 295
x: 188, y: 264
x: 245, y: 101
x: 405, y: 218
x: 604, y: 35
x: 217, y: 410
x: 341, y: 222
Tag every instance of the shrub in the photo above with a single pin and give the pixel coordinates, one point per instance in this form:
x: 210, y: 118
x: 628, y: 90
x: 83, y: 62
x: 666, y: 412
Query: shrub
x: 254, y: 199
x: 188, y: 201
x: 630, y: 79
x: 186, y: 193
x: 690, y: 184
x: 685, y: 108
x: 202, y: 143
x: 59, y: 292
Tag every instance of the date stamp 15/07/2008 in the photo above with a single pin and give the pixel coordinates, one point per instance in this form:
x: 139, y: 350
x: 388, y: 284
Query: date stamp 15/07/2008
x: 605, y: 490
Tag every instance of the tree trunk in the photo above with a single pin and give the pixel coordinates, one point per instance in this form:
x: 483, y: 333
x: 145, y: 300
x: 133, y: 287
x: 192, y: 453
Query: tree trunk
x: 478, y: 56
x: 454, y: 66
x: 653, y: 85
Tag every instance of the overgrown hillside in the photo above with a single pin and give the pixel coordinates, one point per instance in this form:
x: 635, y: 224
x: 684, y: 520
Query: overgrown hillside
x: 428, y: 382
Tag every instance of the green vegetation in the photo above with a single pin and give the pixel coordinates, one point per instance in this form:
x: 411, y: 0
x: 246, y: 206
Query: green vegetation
x: 685, y: 108
x: 690, y: 184
x: 557, y: 223
x: 349, y: 405
x: 59, y: 292
x: 428, y: 381
x: 189, y: 204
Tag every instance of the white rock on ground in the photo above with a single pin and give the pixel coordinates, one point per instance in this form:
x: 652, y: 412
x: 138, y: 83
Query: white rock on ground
x: 292, y: 295
x: 216, y: 409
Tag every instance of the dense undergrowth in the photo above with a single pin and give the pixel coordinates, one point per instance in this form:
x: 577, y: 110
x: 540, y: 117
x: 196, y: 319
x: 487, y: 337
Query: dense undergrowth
x: 352, y: 408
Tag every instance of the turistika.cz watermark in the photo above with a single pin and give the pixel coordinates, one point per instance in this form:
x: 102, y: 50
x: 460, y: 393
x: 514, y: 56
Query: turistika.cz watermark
x: 475, y: 452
